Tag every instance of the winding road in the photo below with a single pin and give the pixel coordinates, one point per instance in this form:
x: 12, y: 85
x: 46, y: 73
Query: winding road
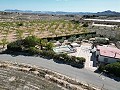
x: 82, y: 75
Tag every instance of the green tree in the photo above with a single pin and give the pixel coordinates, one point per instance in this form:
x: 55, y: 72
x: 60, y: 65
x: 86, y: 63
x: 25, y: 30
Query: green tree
x: 30, y: 41
x: 49, y: 46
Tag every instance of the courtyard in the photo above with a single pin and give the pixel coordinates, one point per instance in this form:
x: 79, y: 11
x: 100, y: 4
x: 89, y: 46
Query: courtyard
x: 84, y: 51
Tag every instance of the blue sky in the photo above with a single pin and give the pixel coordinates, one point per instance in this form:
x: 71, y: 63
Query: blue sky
x: 62, y: 5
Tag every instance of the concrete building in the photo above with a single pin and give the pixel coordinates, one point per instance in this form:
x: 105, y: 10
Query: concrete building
x: 107, y: 55
x: 103, y: 22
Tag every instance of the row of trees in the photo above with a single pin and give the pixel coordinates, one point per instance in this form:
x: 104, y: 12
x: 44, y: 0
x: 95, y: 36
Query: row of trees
x: 30, y: 42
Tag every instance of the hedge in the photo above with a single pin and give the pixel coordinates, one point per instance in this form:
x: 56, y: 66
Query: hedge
x: 28, y: 45
x: 63, y: 58
x: 113, y: 68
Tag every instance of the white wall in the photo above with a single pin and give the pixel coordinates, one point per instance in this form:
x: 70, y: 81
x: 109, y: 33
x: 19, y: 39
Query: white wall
x: 110, y: 60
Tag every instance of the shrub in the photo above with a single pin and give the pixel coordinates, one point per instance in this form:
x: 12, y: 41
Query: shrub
x: 33, y: 50
x: 20, y: 24
x: 30, y: 41
x: 85, y: 25
x: 61, y: 41
x: 49, y: 46
x: 101, y: 41
x: 113, y: 68
x: 101, y: 68
x: 56, y: 57
x: 49, y: 53
x: 80, y: 59
x: 15, y: 46
x: 72, y: 38
x: 71, y: 60
x: 53, y: 41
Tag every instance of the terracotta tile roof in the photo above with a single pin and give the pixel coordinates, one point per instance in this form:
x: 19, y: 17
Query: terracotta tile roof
x: 109, y: 51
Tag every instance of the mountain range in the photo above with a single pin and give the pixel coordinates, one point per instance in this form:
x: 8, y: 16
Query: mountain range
x: 108, y: 12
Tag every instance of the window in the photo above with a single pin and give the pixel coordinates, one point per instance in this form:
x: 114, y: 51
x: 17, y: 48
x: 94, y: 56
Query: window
x: 105, y: 60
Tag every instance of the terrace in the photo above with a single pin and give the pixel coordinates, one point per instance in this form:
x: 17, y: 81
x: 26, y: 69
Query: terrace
x: 78, y: 50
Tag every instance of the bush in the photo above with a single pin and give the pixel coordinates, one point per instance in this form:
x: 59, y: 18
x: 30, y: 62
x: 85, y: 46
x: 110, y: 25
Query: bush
x: 85, y: 25
x: 56, y: 57
x: 53, y: 41
x: 33, y: 50
x: 47, y: 54
x: 15, y: 46
x: 101, y: 68
x: 49, y: 46
x: 80, y: 59
x: 72, y: 38
x: 30, y: 41
x: 19, y: 24
x: 71, y: 60
x: 113, y: 68
x: 101, y: 41
x: 61, y: 41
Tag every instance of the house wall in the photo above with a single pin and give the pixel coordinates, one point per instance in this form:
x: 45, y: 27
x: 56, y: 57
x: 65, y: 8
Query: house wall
x: 110, y: 60
x: 97, y: 53
x: 105, y: 59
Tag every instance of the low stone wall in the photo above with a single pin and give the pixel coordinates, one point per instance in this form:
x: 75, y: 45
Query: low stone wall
x: 51, y: 76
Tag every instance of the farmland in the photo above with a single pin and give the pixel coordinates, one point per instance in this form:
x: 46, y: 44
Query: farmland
x: 11, y: 31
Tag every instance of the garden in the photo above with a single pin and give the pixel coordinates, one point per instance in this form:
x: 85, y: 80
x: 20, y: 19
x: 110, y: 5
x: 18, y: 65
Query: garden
x: 41, y: 47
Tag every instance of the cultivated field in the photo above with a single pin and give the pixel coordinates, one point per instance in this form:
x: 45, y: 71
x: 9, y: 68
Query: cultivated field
x: 17, y: 30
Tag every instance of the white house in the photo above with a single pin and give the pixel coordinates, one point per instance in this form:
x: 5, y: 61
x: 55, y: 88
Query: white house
x: 107, y: 54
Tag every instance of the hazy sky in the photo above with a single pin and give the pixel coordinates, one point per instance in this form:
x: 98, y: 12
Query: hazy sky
x: 62, y: 5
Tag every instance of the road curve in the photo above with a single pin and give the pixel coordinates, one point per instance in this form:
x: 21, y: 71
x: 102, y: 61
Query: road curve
x: 83, y: 75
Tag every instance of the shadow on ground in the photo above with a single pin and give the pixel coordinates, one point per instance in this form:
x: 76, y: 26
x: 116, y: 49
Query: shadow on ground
x: 14, y: 54
x: 111, y: 76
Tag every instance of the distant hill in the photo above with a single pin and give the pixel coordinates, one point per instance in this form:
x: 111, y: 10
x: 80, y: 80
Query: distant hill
x: 48, y: 12
x: 16, y: 10
x: 108, y: 12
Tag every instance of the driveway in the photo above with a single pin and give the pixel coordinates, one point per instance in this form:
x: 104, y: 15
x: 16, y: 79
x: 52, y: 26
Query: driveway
x: 84, y: 51
x: 82, y: 75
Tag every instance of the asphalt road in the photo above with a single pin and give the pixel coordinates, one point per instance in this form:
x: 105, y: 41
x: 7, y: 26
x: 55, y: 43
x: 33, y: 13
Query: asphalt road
x: 83, y: 75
